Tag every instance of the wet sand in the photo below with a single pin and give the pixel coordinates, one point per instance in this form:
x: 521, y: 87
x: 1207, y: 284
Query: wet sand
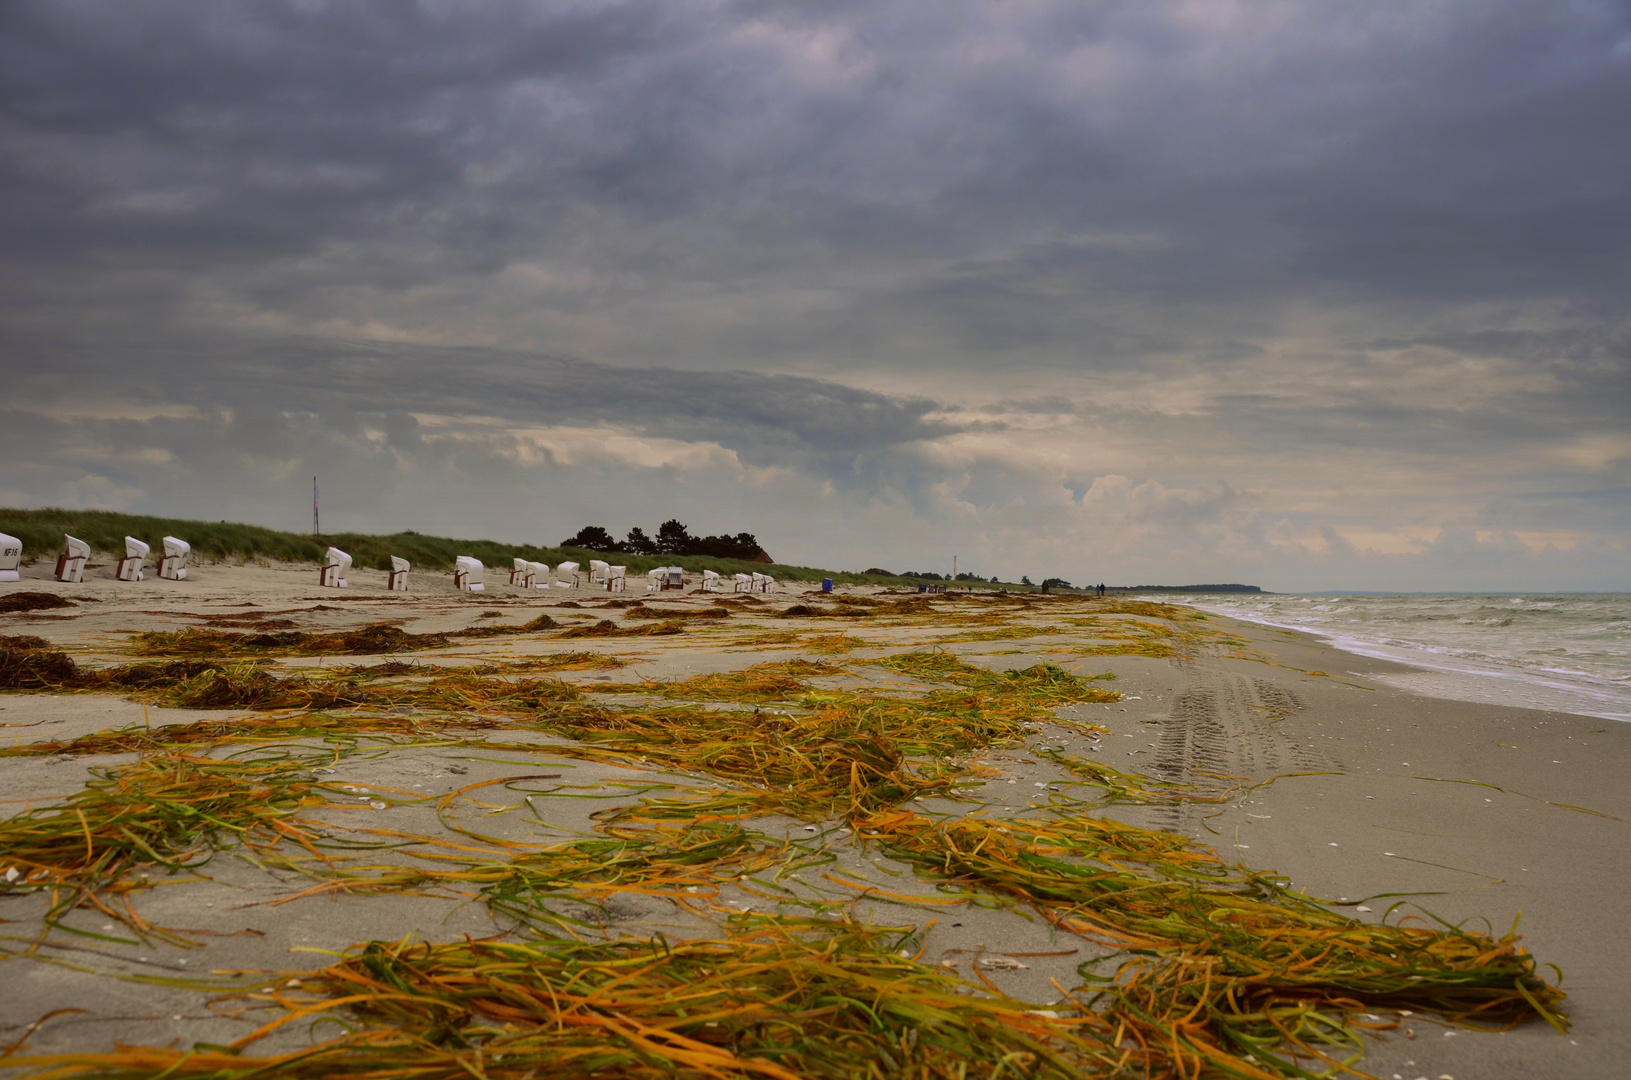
x: 1473, y: 812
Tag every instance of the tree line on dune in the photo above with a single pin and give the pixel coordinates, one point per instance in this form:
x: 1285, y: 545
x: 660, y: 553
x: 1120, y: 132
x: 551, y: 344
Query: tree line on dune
x: 930, y: 575
x: 673, y: 538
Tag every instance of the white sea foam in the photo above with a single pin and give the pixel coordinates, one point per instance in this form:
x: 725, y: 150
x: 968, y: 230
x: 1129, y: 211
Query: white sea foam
x: 1565, y: 651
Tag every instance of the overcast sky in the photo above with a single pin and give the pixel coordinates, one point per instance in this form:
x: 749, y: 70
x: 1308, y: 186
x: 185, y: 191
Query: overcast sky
x: 1302, y: 294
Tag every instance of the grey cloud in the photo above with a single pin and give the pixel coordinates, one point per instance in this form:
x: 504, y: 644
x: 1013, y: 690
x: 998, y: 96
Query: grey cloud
x: 1268, y: 249
x: 767, y: 418
x: 1419, y: 150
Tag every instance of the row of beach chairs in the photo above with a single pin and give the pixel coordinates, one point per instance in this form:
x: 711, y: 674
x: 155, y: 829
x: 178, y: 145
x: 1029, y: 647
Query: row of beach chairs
x: 469, y: 575
x: 76, y: 553
x: 673, y: 577
x: 468, y: 572
x: 336, y: 564
x: 537, y: 575
x: 532, y: 575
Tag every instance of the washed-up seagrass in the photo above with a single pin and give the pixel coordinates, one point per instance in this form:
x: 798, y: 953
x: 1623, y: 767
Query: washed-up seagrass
x: 835, y: 1003
x: 1214, y: 970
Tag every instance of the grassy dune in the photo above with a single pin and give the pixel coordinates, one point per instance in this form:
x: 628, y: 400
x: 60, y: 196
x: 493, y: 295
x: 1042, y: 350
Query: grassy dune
x: 41, y: 532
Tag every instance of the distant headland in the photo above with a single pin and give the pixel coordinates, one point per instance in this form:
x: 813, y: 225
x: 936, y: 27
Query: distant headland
x: 1188, y: 588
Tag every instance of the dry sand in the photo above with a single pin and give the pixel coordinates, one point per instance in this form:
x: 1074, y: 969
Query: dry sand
x: 1475, y: 812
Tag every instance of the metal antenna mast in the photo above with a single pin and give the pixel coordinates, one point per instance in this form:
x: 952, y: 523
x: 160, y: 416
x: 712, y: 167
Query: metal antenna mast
x: 315, y: 531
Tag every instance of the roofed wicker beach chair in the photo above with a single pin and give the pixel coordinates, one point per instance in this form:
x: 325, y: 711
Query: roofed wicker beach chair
x: 758, y: 582
x: 566, y: 576
x: 11, y: 557
x: 130, y: 567
x: 398, y: 581
x: 710, y: 581
x: 597, y: 572
x: 617, y: 578
x: 654, y: 578
x: 336, y: 565
x: 769, y: 584
x: 467, y: 574
x: 174, y: 565
x: 674, y: 578
x: 71, y: 563
x: 742, y: 583
x: 539, y: 575
x: 519, y: 574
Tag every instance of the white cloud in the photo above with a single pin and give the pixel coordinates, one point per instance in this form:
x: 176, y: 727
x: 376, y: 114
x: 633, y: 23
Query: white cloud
x: 95, y: 492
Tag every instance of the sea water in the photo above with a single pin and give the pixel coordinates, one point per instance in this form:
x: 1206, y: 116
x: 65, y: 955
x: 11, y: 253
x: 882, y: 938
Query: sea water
x: 1570, y: 652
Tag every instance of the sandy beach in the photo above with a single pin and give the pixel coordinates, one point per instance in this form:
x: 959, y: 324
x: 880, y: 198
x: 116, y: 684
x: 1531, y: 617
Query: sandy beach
x: 1475, y: 813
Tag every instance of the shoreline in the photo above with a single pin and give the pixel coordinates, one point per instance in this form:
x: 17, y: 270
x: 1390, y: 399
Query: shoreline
x: 1362, y: 819
x: 1549, y: 839
x: 1456, y: 672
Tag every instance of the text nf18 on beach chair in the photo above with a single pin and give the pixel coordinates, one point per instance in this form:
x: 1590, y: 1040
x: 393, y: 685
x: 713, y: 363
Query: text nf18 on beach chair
x: 598, y: 571
x: 617, y: 578
x: 336, y: 565
x: 11, y: 557
x: 398, y: 581
x: 71, y: 563
x: 710, y: 581
x: 566, y: 576
x: 130, y: 567
x: 174, y: 566
x: 741, y: 583
x: 467, y: 574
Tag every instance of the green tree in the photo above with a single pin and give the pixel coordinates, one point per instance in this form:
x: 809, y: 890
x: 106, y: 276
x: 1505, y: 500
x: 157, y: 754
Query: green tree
x: 673, y: 538
x: 743, y: 545
x: 591, y: 538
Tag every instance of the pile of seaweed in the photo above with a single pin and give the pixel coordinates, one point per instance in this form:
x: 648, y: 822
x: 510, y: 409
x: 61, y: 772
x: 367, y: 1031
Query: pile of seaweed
x: 375, y: 639
x: 249, y: 684
x: 12, y: 603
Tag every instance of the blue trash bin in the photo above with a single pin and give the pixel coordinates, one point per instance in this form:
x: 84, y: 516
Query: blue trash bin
x: 826, y: 584
x: 922, y: 586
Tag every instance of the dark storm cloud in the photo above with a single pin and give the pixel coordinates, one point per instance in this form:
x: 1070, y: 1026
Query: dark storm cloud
x: 1256, y: 249
x: 251, y: 129
x: 1457, y: 150
x: 765, y: 418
